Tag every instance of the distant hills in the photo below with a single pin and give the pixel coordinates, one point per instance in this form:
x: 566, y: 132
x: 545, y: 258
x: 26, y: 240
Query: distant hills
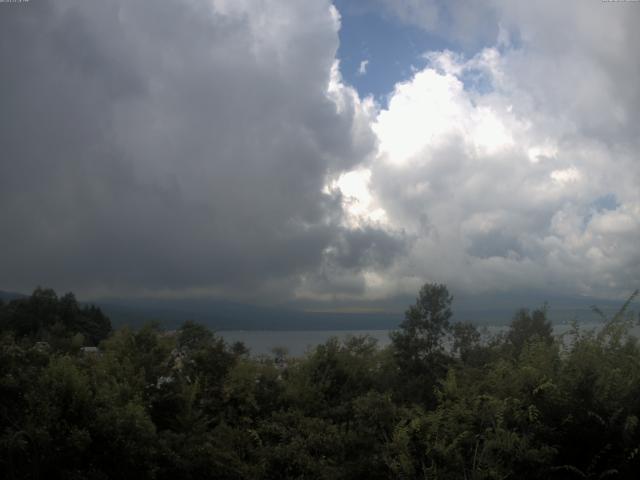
x: 226, y: 315
x: 8, y: 296
x: 221, y: 315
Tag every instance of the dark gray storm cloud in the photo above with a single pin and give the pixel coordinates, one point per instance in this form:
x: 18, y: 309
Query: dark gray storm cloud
x: 176, y: 146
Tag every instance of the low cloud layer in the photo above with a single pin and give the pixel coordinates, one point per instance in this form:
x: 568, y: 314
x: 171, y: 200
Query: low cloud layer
x: 212, y: 148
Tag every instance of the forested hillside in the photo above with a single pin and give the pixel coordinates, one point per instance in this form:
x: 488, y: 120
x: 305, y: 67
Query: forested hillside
x: 440, y: 402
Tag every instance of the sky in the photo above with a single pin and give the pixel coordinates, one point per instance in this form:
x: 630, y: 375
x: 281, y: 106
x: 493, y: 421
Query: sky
x: 319, y: 153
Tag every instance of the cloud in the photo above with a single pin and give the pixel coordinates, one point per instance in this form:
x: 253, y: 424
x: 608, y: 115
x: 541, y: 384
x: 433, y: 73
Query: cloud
x: 467, y: 24
x: 177, y: 147
x: 362, y: 69
x: 214, y: 148
x: 497, y: 162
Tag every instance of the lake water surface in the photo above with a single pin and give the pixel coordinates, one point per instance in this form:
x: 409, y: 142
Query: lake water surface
x: 297, y: 342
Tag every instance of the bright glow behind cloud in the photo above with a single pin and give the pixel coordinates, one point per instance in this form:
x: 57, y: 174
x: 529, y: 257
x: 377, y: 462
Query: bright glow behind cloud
x: 496, y: 191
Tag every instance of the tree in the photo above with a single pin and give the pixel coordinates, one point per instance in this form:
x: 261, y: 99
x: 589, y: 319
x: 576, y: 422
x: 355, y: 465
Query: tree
x: 44, y: 316
x: 425, y: 323
x: 466, y: 342
x: 526, y: 327
x: 419, y: 345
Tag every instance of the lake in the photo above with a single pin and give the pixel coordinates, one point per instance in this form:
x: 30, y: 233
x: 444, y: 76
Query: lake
x: 297, y: 342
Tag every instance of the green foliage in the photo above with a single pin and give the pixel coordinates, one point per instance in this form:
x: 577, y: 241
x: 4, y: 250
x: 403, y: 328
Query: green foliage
x: 467, y: 343
x: 440, y: 402
x: 527, y: 327
x: 425, y: 324
x: 43, y: 316
x: 419, y: 344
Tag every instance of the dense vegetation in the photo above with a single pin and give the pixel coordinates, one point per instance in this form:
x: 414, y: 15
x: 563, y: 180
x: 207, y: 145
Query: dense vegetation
x: 440, y: 402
